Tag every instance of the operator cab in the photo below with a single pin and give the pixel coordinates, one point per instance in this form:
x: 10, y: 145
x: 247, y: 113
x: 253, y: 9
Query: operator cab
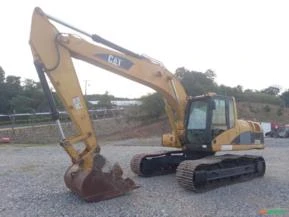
x: 207, y: 117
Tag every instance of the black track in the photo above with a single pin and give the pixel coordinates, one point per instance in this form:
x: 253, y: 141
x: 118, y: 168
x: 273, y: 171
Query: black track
x: 215, y: 171
x: 161, y: 163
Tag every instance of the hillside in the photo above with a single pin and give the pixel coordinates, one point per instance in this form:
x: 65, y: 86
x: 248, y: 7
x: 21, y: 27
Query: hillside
x: 263, y: 112
x: 246, y: 110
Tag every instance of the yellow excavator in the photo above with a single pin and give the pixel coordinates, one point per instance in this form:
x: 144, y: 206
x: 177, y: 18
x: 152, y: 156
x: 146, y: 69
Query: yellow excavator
x: 201, y: 126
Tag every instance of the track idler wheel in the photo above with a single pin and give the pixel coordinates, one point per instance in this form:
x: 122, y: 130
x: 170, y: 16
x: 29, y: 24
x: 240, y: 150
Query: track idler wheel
x: 97, y: 184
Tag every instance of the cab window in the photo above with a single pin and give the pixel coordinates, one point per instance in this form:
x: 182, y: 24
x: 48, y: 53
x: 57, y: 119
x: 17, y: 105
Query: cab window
x: 231, y: 114
x: 219, y: 115
x: 198, y: 115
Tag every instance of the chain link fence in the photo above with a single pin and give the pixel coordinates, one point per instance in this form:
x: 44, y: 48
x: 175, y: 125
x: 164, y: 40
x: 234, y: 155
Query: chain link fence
x: 14, y: 120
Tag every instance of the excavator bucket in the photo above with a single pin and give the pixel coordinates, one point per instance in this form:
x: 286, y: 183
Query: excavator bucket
x: 99, y: 183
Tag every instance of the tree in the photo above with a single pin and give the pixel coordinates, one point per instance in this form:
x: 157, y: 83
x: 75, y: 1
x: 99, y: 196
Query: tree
x: 285, y: 97
x: 239, y: 88
x: 34, y: 91
x: 29, y: 84
x: 21, y: 104
x: 210, y: 74
x: 21, y: 98
x: 152, y: 105
x: 271, y: 90
x: 12, y: 86
x: 105, y: 101
x: 4, y: 105
x: 196, y: 83
x: 2, y: 75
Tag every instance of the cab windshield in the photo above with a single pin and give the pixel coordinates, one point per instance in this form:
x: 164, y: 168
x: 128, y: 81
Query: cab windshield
x: 197, y: 122
x: 198, y: 115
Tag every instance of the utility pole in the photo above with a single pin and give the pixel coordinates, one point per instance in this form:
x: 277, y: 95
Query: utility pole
x: 86, y: 84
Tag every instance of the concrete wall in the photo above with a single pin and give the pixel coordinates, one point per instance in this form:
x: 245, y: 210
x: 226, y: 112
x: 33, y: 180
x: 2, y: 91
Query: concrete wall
x: 46, y: 134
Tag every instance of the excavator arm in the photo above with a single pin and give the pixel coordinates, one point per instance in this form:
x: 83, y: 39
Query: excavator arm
x: 53, y: 52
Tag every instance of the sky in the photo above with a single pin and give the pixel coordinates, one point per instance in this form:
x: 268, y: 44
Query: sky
x: 245, y: 42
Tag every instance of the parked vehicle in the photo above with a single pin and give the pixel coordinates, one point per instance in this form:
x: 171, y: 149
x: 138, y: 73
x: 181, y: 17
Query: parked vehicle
x: 280, y: 132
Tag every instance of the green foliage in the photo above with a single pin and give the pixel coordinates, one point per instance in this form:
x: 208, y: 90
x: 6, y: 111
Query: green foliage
x: 272, y: 90
x: 280, y: 111
x: 267, y: 108
x: 196, y: 83
x: 258, y: 97
x: 285, y: 97
x: 97, y: 97
x: 2, y: 75
x: 253, y: 109
x: 12, y: 86
x: 15, y: 97
x: 105, y: 101
x: 22, y: 104
x: 237, y: 92
x: 28, y: 95
x: 152, y: 106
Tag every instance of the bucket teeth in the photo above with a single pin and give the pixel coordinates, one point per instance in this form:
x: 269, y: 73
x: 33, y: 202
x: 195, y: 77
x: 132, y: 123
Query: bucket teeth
x: 117, y: 171
x: 102, y: 182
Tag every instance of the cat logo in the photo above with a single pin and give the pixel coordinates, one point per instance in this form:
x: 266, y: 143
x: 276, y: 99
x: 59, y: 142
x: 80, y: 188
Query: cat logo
x: 117, y: 61
x: 114, y: 60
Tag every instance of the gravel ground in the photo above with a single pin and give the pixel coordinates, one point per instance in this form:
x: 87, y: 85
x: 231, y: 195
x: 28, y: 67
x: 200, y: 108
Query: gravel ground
x: 31, y: 183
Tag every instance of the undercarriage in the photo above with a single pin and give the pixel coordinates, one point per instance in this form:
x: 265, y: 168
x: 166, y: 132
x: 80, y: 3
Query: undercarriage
x: 200, y: 171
